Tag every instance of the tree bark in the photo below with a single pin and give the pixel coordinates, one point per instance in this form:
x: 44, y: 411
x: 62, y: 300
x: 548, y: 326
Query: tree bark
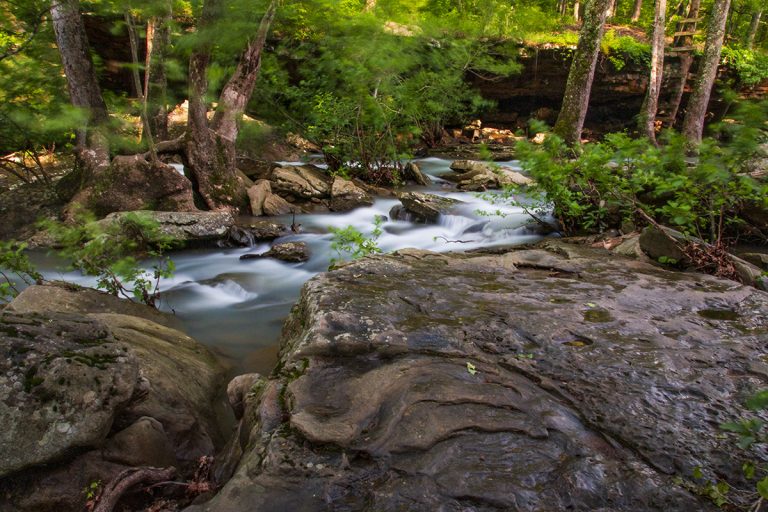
x: 693, y: 125
x: 210, y: 151
x: 156, y: 81
x: 84, y: 90
x: 651, y: 101
x: 370, y: 5
x: 749, y: 42
x: 637, y: 10
x: 577, y: 11
x: 570, y: 122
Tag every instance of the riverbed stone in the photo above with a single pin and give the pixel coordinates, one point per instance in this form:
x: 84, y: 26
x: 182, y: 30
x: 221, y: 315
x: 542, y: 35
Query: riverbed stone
x: 94, y: 385
x: 412, y: 172
x: 292, y: 252
x: 194, y: 227
x: 554, y: 377
x: 63, y: 379
x: 346, y: 196
x: 475, y: 176
x: 303, y: 181
x: 420, y: 207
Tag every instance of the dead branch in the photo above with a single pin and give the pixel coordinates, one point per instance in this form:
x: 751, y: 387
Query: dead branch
x: 128, y: 479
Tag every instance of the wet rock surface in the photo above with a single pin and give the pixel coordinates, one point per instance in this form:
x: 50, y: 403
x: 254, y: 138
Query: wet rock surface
x: 291, y: 252
x: 420, y: 207
x: 557, y: 377
x: 194, y: 227
x: 91, y: 384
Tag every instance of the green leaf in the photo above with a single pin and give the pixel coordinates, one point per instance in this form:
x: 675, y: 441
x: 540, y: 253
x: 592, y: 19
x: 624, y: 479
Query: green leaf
x: 472, y: 369
x: 762, y: 488
x: 758, y: 401
x: 697, y: 473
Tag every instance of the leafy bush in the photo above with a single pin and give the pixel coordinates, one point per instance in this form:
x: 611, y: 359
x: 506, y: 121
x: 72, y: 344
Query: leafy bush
x: 14, y: 261
x: 111, y: 251
x: 350, y: 243
x: 622, y: 50
x: 751, y: 66
x: 622, y: 178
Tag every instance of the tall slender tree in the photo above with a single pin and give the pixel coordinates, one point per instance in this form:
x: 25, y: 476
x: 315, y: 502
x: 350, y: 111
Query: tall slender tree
x: 693, y: 124
x: 754, y: 25
x: 570, y: 122
x: 651, y: 101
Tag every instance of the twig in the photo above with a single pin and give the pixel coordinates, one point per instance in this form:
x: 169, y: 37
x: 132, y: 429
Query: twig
x: 129, y: 478
x: 453, y: 241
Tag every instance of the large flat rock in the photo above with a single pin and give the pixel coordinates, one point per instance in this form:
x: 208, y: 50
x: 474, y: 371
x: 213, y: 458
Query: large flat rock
x: 551, y: 378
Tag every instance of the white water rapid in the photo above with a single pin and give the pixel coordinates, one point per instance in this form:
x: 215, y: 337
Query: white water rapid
x: 237, y: 307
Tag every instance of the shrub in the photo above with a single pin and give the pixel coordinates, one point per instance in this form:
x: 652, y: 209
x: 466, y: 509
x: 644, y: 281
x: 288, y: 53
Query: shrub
x: 111, y: 251
x: 14, y: 261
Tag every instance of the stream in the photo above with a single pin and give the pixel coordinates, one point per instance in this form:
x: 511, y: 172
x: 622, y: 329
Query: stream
x: 237, y: 307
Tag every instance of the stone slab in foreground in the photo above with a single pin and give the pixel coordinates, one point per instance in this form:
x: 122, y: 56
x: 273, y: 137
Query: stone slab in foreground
x: 554, y: 378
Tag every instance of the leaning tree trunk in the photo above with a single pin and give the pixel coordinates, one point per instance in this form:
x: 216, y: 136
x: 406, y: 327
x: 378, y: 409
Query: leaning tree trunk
x: 570, y: 122
x: 84, y: 90
x: 637, y: 10
x: 210, y: 149
x: 651, y: 101
x: 693, y: 125
x: 749, y: 42
x: 155, y: 78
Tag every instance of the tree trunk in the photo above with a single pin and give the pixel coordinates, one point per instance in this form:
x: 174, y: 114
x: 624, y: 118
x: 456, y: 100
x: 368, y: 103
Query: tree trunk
x: 637, y: 10
x: 211, y: 146
x: 577, y: 10
x: 156, y: 81
x: 749, y: 42
x: 651, y: 101
x: 686, y: 61
x: 693, y: 125
x: 570, y: 122
x: 612, y: 6
x: 84, y: 90
x: 370, y: 5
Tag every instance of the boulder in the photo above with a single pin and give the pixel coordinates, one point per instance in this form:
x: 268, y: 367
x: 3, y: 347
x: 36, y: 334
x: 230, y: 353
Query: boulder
x: 756, y: 258
x: 264, y: 202
x: 305, y: 181
x: 144, y: 443
x: 257, y: 194
x: 412, y: 173
x: 346, y: 196
x: 557, y: 377
x: 664, y: 244
x: 237, y: 390
x: 472, y: 175
x: 257, y: 231
x: 134, y: 183
x: 189, y: 227
x: 95, y: 384
x: 291, y: 252
x: 63, y: 379
x: 426, y: 208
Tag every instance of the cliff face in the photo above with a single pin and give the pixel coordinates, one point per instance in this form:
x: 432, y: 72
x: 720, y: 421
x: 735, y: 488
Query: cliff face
x: 617, y: 94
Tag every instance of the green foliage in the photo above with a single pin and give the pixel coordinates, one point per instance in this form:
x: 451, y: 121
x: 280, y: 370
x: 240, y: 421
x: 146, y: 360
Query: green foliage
x: 366, y: 89
x: 111, y: 251
x: 622, y: 50
x: 750, y: 66
x: 14, y: 261
x: 622, y: 178
x: 751, y: 435
x: 350, y: 243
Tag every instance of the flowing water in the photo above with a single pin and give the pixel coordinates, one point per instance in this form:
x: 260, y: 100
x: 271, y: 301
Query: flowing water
x: 237, y: 307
